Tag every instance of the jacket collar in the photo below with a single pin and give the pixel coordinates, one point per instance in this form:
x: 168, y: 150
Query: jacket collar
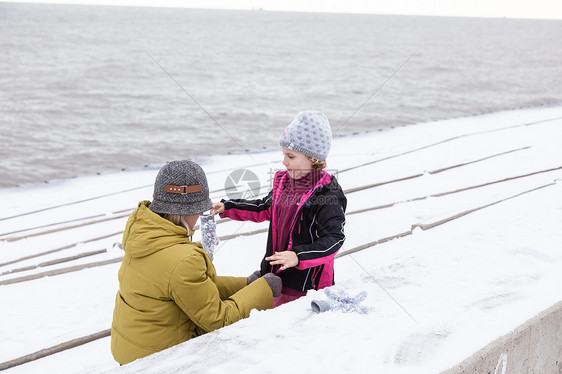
x: 147, y: 232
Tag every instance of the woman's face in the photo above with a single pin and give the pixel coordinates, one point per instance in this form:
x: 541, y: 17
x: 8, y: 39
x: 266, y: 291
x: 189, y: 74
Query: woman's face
x: 297, y: 164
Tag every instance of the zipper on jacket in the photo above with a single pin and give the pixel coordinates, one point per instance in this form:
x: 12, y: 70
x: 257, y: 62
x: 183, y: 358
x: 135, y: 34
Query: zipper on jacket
x: 316, y: 277
x: 313, y: 278
x: 296, y: 217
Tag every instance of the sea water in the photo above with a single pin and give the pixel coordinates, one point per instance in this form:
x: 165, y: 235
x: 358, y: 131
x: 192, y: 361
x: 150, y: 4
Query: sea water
x: 90, y: 89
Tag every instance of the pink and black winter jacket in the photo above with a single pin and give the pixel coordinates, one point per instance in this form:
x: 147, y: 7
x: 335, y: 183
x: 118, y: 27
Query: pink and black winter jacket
x: 317, y: 230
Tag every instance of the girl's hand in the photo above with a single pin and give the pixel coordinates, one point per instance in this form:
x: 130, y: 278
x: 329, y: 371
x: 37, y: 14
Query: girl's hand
x: 288, y: 259
x: 217, y: 208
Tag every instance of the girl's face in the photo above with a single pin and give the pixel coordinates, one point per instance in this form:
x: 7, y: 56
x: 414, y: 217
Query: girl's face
x: 297, y: 164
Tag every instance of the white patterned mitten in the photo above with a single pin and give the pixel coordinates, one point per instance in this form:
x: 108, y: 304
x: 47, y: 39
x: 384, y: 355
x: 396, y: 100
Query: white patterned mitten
x: 340, y: 300
x: 209, y: 237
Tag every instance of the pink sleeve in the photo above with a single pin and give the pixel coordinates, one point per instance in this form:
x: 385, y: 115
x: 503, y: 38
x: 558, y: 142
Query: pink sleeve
x: 246, y: 215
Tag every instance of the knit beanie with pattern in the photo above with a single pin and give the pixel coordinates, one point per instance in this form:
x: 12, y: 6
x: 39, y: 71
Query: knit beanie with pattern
x: 310, y: 134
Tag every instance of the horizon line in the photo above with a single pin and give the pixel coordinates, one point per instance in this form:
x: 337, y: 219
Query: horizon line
x: 262, y: 9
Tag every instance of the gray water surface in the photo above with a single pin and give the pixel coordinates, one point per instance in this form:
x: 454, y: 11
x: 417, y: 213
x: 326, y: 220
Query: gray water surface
x: 81, y: 91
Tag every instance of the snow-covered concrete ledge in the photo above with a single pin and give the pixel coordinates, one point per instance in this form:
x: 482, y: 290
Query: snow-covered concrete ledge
x: 534, y: 347
x: 453, y: 231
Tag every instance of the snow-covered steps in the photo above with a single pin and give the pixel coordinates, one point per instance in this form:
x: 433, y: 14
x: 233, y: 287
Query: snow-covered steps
x: 434, y: 296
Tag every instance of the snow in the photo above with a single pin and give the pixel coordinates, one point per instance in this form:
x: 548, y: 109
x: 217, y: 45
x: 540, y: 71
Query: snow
x: 435, y: 296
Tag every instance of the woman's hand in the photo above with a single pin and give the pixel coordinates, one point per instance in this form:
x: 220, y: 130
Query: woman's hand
x: 287, y: 259
x: 217, y: 208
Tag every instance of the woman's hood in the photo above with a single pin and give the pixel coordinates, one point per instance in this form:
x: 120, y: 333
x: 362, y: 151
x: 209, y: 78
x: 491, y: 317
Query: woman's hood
x: 147, y: 232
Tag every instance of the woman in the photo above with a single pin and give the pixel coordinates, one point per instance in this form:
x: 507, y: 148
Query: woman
x: 168, y: 288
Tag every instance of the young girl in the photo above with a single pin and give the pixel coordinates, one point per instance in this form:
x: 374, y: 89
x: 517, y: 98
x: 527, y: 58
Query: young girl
x: 306, y: 210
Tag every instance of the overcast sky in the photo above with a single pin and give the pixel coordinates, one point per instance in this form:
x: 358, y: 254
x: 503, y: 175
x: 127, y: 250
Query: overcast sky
x: 551, y: 9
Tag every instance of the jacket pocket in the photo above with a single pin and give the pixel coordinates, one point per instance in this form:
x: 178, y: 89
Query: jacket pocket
x: 315, y: 277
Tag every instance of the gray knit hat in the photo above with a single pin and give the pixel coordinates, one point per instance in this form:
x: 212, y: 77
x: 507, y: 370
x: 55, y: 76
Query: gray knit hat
x: 181, y: 188
x: 309, y: 133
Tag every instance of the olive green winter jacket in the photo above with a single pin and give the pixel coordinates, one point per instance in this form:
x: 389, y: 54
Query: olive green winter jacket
x: 169, y: 291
